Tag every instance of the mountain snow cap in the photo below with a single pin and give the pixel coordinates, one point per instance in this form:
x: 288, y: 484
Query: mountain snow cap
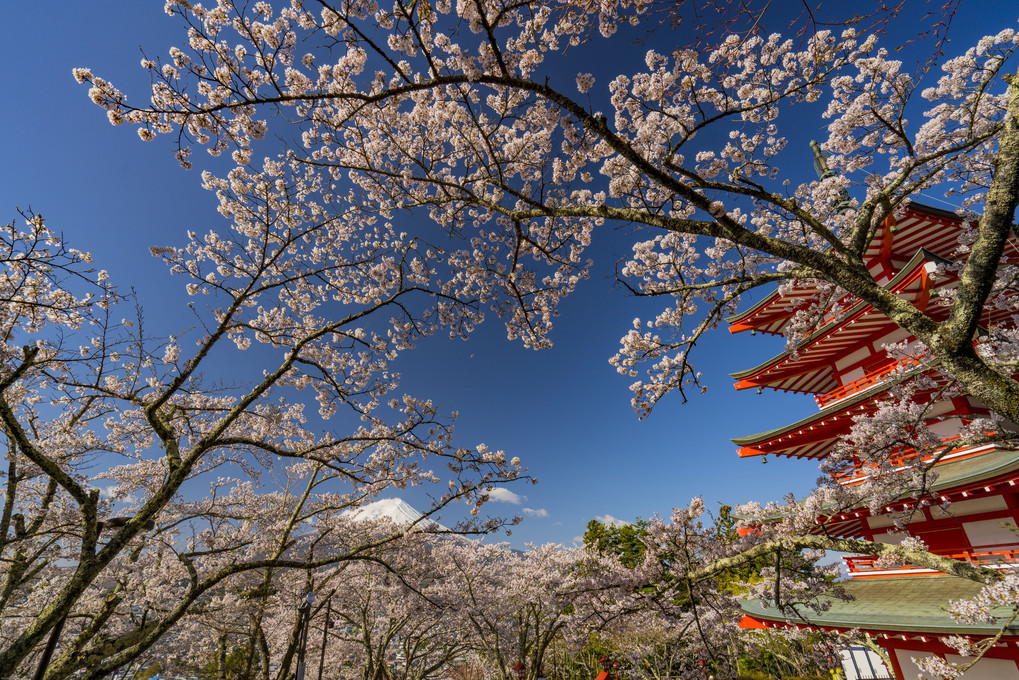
x: 396, y: 510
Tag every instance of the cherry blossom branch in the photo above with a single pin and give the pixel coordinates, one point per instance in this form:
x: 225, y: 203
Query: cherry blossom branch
x: 920, y: 558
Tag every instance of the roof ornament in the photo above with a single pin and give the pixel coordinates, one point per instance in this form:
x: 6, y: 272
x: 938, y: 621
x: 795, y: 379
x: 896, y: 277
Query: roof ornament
x: 824, y: 172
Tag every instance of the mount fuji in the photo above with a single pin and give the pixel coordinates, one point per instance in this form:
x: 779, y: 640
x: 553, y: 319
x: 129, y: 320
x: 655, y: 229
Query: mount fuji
x: 396, y: 510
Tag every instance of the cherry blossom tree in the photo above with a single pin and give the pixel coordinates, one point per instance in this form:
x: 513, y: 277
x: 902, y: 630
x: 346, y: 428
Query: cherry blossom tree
x: 514, y: 606
x: 421, y: 606
x: 393, y: 619
x: 456, y: 113
x: 219, y: 483
x: 474, y: 135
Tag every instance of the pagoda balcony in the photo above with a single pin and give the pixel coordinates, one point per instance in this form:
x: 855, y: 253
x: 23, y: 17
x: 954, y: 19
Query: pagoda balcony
x: 865, y: 566
x: 898, y: 461
x: 856, y: 474
x: 816, y: 435
x: 883, y: 374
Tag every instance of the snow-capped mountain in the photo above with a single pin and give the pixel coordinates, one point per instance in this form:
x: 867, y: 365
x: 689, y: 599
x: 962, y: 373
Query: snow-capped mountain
x: 397, y: 510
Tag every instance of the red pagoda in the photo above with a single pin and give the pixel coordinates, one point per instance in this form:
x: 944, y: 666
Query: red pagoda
x: 845, y: 365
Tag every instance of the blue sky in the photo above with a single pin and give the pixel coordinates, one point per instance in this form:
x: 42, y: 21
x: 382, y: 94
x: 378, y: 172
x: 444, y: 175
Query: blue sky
x: 564, y: 411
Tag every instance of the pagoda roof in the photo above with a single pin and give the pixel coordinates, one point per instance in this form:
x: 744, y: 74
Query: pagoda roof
x: 810, y: 368
x: 920, y: 226
x: 772, y: 314
x: 815, y: 435
x: 906, y: 604
x: 959, y: 474
x: 964, y: 477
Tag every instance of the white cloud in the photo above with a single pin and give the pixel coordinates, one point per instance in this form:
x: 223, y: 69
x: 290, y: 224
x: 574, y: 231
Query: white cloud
x: 611, y: 521
x: 107, y: 490
x: 112, y: 491
x: 504, y: 495
x: 536, y: 512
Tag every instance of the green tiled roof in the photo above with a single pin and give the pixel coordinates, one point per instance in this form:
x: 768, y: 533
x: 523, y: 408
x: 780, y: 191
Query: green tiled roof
x: 913, y: 604
x: 843, y: 405
x: 955, y: 474
x: 959, y: 473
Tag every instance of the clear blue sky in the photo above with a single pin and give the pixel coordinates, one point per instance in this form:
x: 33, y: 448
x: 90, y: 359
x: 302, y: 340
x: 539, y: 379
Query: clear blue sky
x: 565, y: 411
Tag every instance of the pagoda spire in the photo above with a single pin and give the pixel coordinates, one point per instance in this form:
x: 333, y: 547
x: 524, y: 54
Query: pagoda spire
x: 824, y: 172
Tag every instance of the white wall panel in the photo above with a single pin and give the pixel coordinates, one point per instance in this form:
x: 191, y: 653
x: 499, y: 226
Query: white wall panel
x: 970, y: 507
x: 987, y: 669
x: 905, y: 658
x: 991, y: 532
